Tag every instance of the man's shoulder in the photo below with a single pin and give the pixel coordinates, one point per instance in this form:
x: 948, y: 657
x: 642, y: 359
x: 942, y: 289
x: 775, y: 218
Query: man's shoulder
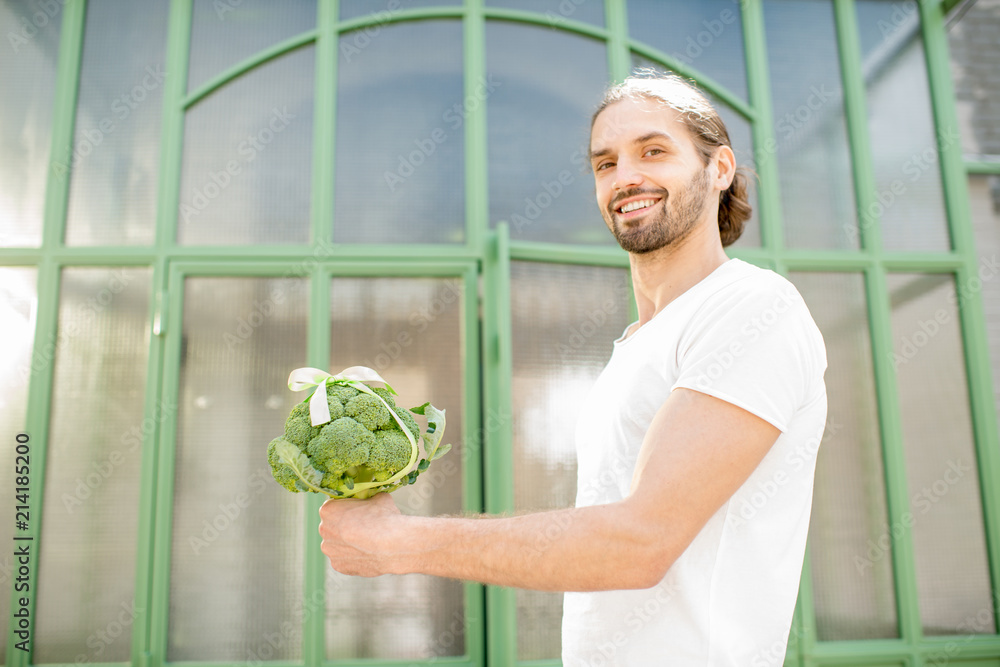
x: 742, y: 281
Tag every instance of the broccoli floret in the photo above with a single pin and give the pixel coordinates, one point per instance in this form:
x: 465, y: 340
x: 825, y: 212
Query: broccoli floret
x: 298, y: 427
x: 281, y: 472
x: 385, y: 395
x: 341, y: 445
x: 341, y: 392
x: 390, y: 454
x: 406, y: 417
x: 369, y: 411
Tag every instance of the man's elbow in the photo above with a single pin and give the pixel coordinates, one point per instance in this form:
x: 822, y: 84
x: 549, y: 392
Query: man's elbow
x: 648, y: 556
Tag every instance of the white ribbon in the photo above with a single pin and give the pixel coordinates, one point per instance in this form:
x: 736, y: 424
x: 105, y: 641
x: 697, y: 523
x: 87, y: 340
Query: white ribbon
x: 304, y: 378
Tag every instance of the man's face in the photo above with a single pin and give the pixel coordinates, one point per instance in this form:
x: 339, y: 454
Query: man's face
x: 652, y: 187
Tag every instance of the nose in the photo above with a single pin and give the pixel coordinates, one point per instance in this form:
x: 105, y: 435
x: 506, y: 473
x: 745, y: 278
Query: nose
x: 627, y: 174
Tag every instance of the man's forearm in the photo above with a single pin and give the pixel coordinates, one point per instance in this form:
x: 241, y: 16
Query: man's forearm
x: 585, y: 549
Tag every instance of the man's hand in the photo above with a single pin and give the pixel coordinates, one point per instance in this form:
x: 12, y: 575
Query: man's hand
x: 351, y: 531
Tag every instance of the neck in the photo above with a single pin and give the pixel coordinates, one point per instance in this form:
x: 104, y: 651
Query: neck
x: 661, y: 276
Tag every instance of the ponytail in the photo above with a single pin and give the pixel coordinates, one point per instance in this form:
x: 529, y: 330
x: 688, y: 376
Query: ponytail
x: 734, y: 209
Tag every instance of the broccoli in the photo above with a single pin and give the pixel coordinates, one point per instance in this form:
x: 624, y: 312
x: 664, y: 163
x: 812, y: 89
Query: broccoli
x: 370, y: 445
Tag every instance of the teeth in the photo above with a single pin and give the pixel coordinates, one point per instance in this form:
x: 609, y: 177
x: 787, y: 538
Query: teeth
x: 635, y: 205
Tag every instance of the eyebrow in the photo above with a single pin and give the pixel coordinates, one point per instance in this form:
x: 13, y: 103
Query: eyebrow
x: 656, y: 134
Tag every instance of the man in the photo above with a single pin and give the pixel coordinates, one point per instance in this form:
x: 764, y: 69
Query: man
x: 713, y: 406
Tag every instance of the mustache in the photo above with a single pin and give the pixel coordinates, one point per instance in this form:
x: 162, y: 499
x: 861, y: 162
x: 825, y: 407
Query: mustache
x: 626, y: 194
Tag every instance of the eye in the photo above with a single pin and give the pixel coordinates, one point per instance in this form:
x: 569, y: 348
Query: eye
x: 653, y: 151
x: 601, y: 166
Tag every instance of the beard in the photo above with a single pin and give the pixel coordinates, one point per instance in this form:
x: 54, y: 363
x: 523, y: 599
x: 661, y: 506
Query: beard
x: 672, y: 223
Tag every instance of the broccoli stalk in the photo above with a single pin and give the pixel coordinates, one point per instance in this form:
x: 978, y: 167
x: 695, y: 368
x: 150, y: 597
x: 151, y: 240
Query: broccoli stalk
x: 370, y: 445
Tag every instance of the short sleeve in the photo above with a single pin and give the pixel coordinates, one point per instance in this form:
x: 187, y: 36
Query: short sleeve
x: 755, y: 345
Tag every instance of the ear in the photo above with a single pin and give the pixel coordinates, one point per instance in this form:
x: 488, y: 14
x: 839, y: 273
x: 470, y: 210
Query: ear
x: 725, y: 167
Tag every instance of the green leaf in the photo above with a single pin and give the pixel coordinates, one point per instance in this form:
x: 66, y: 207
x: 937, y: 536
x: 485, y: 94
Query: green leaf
x: 295, y: 458
x: 441, y: 451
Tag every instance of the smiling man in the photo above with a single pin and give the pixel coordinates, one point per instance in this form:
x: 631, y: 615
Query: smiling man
x: 709, y: 414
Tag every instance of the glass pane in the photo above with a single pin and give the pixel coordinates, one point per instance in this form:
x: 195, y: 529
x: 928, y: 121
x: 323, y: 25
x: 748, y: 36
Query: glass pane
x: 18, y: 306
x: 27, y: 77
x: 557, y: 11
x: 904, y: 145
x: 563, y: 319
x: 227, y: 32
x: 401, y: 109
x: 115, y: 160
x: 385, y: 9
x: 706, y: 35
x: 810, y: 131
x: 236, y: 533
x: 953, y: 579
x: 90, y: 518
x: 984, y: 196
x: 850, y: 540
x: 539, y: 132
x: 247, y: 166
x: 410, y: 331
x: 742, y: 143
x: 974, y: 59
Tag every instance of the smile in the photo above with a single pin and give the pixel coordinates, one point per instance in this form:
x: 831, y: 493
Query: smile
x: 637, y: 205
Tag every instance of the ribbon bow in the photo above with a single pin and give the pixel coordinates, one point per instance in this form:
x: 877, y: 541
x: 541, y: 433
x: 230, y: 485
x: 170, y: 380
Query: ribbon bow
x: 319, y: 410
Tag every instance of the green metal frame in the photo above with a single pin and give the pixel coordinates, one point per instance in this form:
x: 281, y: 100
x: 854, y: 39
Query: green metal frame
x: 486, y: 254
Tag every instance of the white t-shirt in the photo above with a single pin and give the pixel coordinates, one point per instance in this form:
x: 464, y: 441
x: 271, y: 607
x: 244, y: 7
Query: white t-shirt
x: 744, y: 335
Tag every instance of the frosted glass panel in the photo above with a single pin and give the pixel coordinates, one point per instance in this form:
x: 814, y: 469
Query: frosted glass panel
x: 247, y: 168
x: 401, y: 113
x: 953, y: 579
x: 810, y: 131
x: 27, y: 78
x: 226, y: 32
x: 384, y: 10
x: 539, y: 132
x: 707, y: 36
x: 910, y: 202
x: 410, y: 331
x: 984, y: 197
x: 116, y: 149
x: 850, y: 539
x: 236, y: 563
x: 563, y: 320
x: 557, y: 12
x: 86, y: 571
x: 18, y: 305
x: 974, y: 59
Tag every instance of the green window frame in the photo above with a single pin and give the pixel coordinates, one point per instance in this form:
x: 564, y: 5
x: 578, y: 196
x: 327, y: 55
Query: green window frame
x: 486, y: 254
